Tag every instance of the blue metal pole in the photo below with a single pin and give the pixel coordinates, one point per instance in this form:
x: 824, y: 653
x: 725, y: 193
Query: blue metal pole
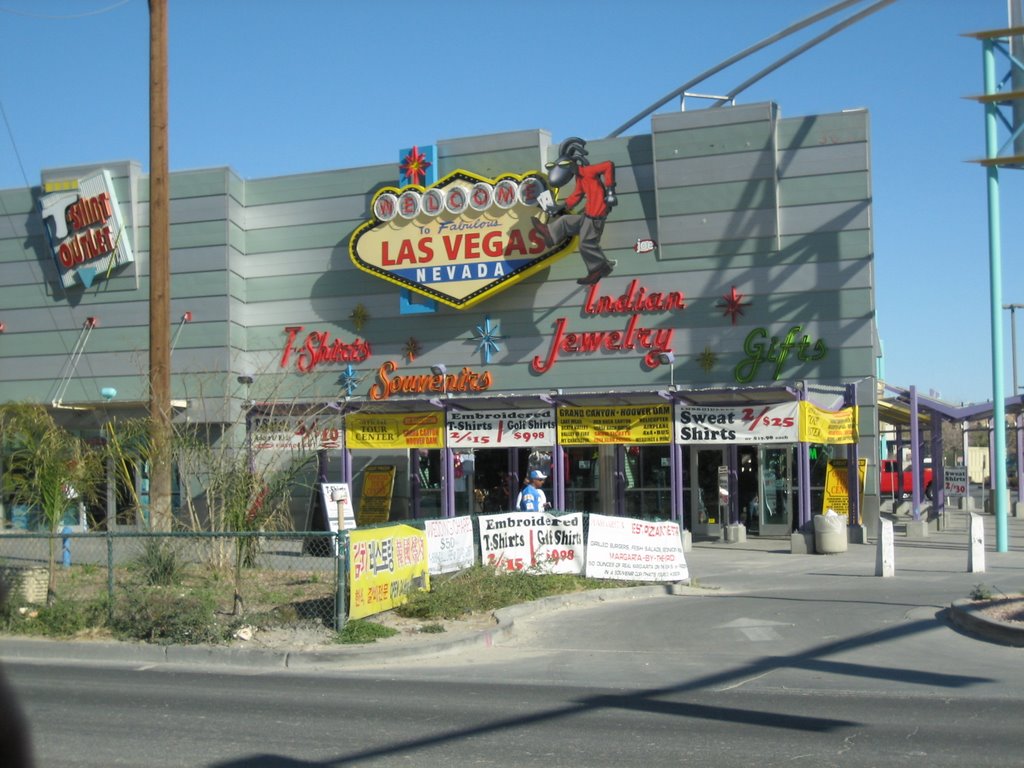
x: 996, y: 298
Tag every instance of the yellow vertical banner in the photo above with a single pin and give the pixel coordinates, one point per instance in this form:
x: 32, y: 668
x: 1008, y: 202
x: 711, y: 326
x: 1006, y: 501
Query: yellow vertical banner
x: 385, y: 565
x: 837, y: 486
x: 375, y: 500
x: 827, y: 427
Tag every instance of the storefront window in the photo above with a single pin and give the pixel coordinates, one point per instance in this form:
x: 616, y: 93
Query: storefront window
x: 648, y: 476
x: 582, y: 486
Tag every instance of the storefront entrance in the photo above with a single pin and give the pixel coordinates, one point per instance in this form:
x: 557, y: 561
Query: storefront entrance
x: 707, y: 502
x: 775, y: 513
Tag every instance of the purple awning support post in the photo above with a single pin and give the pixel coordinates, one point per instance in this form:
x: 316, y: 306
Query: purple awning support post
x: 620, y: 480
x: 558, y: 476
x: 448, y: 483
x: 414, y: 482
x: 915, y: 454
x: 515, y: 481
x: 938, y: 471
x: 676, y: 461
x: 1019, y: 421
x: 803, y: 474
x: 734, y: 484
x: 853, y: 463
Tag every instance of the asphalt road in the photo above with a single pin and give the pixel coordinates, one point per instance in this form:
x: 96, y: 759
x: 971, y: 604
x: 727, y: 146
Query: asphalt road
x: 793, y: 660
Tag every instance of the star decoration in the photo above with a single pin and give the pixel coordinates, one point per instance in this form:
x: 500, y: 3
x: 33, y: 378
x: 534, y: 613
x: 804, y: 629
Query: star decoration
x: 349, y: 379
x: 411, y: 348
x: 414, y: 166
x: 359, y: 316
x: 487, y: 338
x: 707, y: 359
x: 733, y: 304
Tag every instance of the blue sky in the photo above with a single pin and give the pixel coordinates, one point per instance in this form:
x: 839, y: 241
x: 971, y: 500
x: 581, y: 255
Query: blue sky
x: 271, y: 88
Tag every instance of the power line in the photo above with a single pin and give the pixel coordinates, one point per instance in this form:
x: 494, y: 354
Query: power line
x: 70, y: 17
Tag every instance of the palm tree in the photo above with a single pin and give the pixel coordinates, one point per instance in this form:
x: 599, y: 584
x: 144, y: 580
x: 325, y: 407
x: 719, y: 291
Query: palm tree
x: 47, y: 468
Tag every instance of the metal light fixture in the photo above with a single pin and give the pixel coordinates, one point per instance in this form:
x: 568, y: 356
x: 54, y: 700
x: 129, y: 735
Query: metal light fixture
x: 668, y: 358
x: 440, y: 369
x: 246, y: 379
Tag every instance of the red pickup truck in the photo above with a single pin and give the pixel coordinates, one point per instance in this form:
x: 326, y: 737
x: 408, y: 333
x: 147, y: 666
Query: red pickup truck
x: 888, y: 479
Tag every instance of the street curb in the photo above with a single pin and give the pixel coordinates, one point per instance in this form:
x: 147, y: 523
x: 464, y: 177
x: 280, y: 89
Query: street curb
x: 46, y: 649
x: 505, y: 619
x: 966, y: 615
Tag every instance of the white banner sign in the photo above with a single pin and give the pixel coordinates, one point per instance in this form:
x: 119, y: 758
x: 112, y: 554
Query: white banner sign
x: 519, y: 541
x: 450, y: 544
x: 955, y: 479
x: 699, y: 424
x: 622, y: 548
x: 283, y: 433
x: 501, y: 429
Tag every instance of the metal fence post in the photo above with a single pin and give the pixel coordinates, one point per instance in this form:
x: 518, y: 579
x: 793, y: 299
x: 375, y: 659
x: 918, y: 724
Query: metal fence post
x: 340, y: 563
x: 110, y: 575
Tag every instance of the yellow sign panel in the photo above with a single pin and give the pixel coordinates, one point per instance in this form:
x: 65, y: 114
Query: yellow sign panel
x: 394, y: 430
x: 828, y: 427
x: 837, y: 485
x: 385, y: 565
x: 375, y: 500
x: 626, y: 424
x: 459, y: 240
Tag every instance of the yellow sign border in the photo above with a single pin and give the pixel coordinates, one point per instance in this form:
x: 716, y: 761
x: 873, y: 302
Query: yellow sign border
x: 556, y: 251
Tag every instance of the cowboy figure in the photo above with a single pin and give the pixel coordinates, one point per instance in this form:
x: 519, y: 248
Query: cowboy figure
x: 595, y: 183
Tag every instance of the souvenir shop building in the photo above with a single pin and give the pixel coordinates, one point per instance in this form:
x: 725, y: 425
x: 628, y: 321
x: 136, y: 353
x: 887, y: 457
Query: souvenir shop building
x: 651, y: 320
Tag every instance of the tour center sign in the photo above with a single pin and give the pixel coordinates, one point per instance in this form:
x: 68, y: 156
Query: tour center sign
x: 458, y: 241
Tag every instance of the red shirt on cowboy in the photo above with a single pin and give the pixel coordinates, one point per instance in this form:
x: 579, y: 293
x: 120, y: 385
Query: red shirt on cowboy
x: 589, y: 184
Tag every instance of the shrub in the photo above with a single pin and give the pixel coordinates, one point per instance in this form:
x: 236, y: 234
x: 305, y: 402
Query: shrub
x: 165, y: 616
x: 360, y: 631
x: 61, y: 618
x: 159, y: 563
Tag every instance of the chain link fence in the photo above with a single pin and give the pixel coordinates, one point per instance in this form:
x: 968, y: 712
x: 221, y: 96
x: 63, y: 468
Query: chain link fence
x: 258, y: 578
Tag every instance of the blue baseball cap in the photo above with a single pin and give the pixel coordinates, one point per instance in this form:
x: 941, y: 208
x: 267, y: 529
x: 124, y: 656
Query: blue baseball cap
x: 536, y: 474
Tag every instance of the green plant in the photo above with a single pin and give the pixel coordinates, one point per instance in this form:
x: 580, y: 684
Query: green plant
x: 159, y: 563
x: 358, y: 631
x: 433, y: 629
x: 48, y: 468
x: 164, y: 615
x: 65, y: 618
x: 482, y: 588
x: 981, y: 592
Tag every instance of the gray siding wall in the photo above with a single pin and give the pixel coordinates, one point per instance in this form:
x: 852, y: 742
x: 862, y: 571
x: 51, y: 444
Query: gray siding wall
x: 738, y: 197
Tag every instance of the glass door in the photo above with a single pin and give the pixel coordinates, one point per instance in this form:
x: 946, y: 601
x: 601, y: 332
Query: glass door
x: 705, y: 503
x: 776, y: 491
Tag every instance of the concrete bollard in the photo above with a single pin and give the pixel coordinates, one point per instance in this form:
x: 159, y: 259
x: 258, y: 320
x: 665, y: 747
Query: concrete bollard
x: 885, y: 559
x: 976, y: 545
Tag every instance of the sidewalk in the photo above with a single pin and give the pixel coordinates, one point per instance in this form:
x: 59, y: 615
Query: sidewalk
x: 933, y: 568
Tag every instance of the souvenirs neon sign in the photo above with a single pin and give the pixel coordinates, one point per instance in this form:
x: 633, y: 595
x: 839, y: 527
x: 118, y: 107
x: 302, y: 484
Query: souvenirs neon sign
x: 458, y: 241
x: 633, y: 302
x: 388, y: 384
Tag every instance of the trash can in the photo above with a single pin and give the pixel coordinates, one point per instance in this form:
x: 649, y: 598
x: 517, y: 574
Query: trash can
x: 830, y: 535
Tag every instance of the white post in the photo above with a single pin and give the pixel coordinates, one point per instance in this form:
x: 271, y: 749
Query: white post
x: 976, y: 545
x: 885, y: 559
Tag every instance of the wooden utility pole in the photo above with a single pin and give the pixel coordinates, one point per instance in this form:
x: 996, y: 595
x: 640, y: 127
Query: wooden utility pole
x: 159, y: 274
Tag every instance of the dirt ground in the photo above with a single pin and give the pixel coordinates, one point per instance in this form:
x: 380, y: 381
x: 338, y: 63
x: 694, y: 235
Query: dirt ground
x: 1009, y: 609
x: 314, y: 637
